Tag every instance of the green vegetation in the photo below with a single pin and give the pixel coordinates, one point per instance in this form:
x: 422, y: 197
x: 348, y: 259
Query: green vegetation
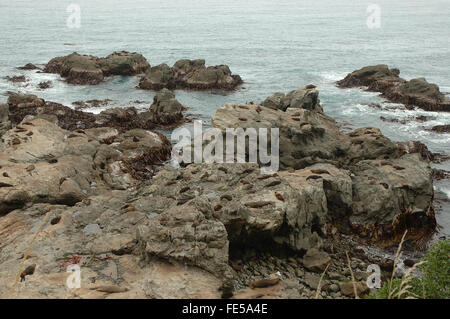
x: 434, y: 281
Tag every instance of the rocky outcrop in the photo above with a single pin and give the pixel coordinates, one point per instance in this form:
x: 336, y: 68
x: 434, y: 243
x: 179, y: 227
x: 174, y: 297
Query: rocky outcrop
x: 256, y: 210
x: 88, y: 69
x: 307, y: 137
x: 42, y: 163
x: 28, y: 66
x: 122, y: 119
x: 16, y: 79
x: 101, y: 236
x: 391, y: 196
x: 182, y: 234
x: 39, y: 163
x: 416, y: 92
x: 387, y: 180
x: 203, y: 230
x: 76, y: 68
x: 123, y: 63
x: 193, y: 218
x: 45, y: 85
x: 441, y: 128
x: 165, y: 108
x: 24, y: 100
x: 189, y: 74
x: 306, y: 97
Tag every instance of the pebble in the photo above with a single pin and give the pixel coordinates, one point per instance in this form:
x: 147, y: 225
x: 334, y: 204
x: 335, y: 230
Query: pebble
x: 334, y: 288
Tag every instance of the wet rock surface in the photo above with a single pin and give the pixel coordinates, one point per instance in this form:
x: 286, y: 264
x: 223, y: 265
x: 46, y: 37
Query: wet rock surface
x: 87, y: 69
x: 416, y: 92
x: 189, y: 74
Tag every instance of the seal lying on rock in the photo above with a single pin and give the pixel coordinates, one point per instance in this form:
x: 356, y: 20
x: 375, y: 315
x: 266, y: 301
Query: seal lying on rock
x: 416, y: 92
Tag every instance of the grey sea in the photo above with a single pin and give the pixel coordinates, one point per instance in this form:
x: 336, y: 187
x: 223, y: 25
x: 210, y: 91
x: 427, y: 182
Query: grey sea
x: 274, y: 45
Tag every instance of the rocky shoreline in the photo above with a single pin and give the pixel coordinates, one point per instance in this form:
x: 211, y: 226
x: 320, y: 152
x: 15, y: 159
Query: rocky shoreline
x: 416, y: 92
x: 141, y: 229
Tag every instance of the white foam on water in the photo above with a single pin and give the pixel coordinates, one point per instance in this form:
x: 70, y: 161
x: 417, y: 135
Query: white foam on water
x: 446, y: 191
x: 332, y: 76
x: 355, y: 109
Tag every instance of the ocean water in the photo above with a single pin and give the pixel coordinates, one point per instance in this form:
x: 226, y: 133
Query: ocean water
x: 273, y: 45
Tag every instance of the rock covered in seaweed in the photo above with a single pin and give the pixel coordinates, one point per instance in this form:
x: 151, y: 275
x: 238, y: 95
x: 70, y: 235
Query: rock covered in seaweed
x: 189, y: 74
x: 415, y: 92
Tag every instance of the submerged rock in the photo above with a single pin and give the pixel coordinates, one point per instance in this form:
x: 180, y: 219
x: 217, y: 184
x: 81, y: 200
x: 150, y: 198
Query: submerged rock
x: 28, y: 66
x: 45, y: 85
x: 16, y: 79
x: 88, y: 69
x: 441, y: 128
x: 189, y: 74
x: 416, y: 92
